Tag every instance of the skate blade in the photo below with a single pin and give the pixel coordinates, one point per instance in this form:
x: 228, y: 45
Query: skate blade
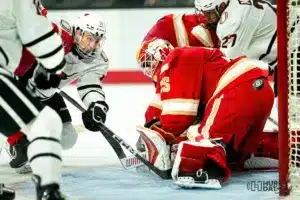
x: 188, y: 184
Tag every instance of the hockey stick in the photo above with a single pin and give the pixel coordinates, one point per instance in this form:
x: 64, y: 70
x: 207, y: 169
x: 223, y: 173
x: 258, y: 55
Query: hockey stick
x: 115, y: 141
x: 273, y: 121
x: 128, y: 162
x: 164, y: 174
x: 115, y: 145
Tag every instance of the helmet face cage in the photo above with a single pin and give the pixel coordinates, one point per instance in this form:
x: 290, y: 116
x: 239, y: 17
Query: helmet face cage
x: 152, y: 55
x: 89, y: 36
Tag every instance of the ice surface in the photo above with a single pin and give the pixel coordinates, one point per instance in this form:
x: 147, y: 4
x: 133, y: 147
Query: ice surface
x: 92, y: 170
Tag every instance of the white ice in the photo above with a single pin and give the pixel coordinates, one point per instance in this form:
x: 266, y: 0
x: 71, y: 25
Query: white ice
x: 92, y: 170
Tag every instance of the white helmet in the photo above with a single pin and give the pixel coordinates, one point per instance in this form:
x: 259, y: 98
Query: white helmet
x: 205, y: 5
x: 89, y: 35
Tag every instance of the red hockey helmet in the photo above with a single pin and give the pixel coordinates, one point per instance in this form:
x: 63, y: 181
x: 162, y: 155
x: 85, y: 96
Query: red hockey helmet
x: 152, y: 53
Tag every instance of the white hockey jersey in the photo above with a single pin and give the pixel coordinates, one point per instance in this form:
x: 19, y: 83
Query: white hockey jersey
x: 248, y: 27
x: 88, y: 72
x: 21, y: 25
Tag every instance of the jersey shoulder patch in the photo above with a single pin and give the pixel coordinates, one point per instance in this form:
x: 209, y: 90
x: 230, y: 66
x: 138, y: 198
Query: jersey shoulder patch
x: 66, y: 26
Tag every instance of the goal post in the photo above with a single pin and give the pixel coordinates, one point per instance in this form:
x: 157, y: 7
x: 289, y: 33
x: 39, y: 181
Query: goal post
x: 288, y: 79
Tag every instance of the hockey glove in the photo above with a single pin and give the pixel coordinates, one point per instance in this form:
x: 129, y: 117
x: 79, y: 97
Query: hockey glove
x: 94, y: 115
x: 45, y: 79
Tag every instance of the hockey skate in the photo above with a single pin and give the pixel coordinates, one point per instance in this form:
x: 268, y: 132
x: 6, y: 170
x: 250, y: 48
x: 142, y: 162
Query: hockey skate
x: 200, y: 179
x: 47, y: 192
x: 6, y: 193
x: 18, y: 155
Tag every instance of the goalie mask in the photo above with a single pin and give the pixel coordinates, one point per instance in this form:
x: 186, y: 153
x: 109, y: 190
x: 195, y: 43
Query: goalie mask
x: 151, y: 54
x: 89, y: 35
x: 211, y: 9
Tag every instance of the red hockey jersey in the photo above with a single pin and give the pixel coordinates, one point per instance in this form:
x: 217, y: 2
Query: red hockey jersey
x: 180, y: 30
x: 191, y: 76
x: 184, y: 30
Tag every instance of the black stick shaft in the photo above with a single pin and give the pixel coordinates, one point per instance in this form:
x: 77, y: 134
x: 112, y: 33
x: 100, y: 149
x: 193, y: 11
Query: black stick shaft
x: 115, y: 141
x: 115, y: 145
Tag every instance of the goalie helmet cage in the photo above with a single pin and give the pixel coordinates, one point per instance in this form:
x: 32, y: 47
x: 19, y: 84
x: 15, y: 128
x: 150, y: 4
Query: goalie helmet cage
x: 288, y: 79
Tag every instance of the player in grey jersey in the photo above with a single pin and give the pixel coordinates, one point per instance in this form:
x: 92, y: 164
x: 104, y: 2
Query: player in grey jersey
x: 22, y: 26
x: 244, y: 27
x: 87, y: 62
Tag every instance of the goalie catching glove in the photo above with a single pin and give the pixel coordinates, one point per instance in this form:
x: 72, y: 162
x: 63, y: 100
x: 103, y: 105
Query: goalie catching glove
x: 94, y: 115
x: 170, y: 138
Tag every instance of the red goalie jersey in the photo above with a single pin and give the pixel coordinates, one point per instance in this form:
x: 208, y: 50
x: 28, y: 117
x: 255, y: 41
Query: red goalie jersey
x: 184, y: 30
x: 236, y: 94
x: 237, y: 99
x: 180, y: 30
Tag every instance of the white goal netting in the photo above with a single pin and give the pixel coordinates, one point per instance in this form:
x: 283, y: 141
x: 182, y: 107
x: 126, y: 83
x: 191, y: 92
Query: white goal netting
x: 294, y: 93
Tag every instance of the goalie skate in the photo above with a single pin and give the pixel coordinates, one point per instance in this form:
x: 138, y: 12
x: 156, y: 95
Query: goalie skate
x: 199, y: 179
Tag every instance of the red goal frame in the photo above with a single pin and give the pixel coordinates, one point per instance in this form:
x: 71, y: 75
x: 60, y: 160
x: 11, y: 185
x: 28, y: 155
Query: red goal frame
x: 283, y: 88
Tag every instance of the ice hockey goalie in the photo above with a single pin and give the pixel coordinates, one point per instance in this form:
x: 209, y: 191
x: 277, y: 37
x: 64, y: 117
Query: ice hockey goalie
x: 237, y: 100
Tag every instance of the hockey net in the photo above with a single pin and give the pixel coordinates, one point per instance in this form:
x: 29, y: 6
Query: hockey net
x: 288, y: 15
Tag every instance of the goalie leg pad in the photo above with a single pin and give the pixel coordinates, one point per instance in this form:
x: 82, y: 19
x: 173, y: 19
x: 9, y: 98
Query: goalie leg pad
x: 156, y: 147
x: 200, y: 164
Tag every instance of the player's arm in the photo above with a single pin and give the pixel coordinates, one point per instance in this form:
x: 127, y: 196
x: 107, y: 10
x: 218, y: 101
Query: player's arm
x: 235, y: 35
x: 180, y: 96
x: 153, y: 111
x: 37, y: 35
x: 28, y: 60
x: 90, y: 90
x: 160, y: 29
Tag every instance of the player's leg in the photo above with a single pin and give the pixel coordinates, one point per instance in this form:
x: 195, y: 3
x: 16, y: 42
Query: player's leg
x: 69, y: 134
x: 228, y: 123
x: 19, y: 110
x: 266, y: 155
x: 18, y: 142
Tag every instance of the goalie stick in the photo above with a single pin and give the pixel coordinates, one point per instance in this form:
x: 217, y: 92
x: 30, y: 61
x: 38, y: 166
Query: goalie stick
x: 115, y: 141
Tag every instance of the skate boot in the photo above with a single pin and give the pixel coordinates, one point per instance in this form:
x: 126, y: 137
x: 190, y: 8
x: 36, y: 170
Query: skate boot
x: 211, y: 178
x: 47, y: 192
x: 18, y: 155
x: 6, y: 193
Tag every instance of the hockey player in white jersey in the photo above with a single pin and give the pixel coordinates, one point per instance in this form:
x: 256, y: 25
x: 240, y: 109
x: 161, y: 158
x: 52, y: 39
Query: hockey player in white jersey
x: 22, y: 26
x: 244, y: 27
x: 87, y: 62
